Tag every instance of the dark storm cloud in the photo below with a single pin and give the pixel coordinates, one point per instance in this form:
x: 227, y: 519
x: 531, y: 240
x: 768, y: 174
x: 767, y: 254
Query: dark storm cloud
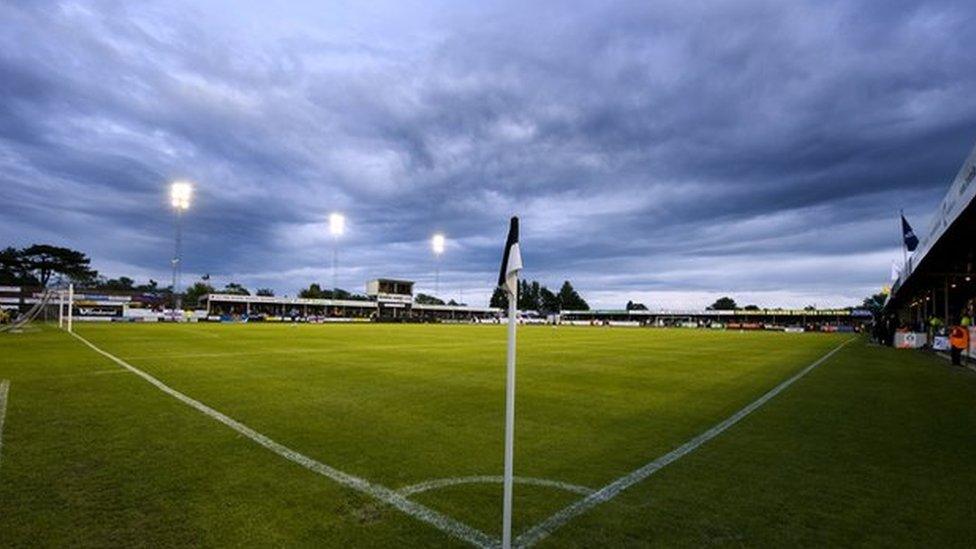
x: 668, y: 151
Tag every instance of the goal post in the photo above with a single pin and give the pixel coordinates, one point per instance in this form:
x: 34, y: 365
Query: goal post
x: 71, y: 306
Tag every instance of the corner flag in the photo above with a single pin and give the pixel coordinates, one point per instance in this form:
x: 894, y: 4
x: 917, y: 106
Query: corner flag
x: 511, y: 259
x: 911, y: 241
x: 508, y: 279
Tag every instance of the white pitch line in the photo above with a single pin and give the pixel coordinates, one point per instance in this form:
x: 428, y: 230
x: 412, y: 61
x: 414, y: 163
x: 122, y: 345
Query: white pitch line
x: 4, y: 391
x: 492, y: 479
x: 542, y: 530
x: 440, y: 521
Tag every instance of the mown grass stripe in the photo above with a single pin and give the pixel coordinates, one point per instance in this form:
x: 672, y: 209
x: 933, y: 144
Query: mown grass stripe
x: 416, y: 510
x: 4, y: 391
x: 542, y: 530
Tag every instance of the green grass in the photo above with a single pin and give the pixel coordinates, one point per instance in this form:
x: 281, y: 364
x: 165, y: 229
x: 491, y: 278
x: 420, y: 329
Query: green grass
x: 875, y: 447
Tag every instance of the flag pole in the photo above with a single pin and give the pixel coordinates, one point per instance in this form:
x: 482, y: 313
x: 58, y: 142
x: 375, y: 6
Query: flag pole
x: 508, y: 278
x: 509, y: 420
x: 904, y: 246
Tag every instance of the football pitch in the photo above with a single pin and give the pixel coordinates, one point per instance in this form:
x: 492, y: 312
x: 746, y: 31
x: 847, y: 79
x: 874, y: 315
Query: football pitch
x: 391, y: 435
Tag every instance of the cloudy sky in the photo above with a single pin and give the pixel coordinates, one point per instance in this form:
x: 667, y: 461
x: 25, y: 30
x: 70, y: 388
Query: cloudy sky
x: 667, y: 152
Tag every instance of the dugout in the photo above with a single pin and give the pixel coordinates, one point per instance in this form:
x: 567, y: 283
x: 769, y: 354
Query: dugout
x: 937, y: 281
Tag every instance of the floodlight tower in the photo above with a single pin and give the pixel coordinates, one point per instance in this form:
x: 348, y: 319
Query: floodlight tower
x: 179, y: 194
x: 337, y: 226
x: 437, y: 245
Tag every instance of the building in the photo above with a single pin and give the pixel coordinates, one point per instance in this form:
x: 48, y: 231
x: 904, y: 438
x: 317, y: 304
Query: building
x: 388, y: 299
x: 937, y: 281
x: 394, y: 298
x: 11, y: 299
x: 829, y: 320
x: 88, y: 305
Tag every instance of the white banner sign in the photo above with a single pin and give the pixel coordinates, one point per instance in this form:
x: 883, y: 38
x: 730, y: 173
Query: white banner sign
x: 910, y: 340
x: 961, y: 193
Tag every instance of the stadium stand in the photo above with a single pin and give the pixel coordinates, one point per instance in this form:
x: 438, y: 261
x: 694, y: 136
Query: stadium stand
x: 936, y: 288
x: 793, y: 320
x: 390, y: 300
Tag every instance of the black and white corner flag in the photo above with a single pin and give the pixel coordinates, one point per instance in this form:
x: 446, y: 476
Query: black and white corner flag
x: 508, y: 279
x: 511, y: 260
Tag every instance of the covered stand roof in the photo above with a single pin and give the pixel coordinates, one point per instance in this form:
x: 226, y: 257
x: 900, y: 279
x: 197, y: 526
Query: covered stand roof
x: 946, y: 252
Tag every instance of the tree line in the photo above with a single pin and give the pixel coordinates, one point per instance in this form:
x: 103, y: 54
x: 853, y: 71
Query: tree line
x: 44, y: 264
x: 874, y: 303
x: 533, y: 296
x: 315, y: 291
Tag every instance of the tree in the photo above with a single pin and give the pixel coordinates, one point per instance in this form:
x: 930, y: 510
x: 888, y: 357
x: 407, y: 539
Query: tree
x: 810, y: 308
x: 751, y: 308
x: 424, y: 299
x: 499, y: 299
x: 13, y: 269
x: 44, y: 261
x: 195, y: 292
x: 266, y: 292
x: 151, y: 287
x: 339, y: 293
x: 536, y: 297
x: 314, y: 291
x: 633, y: 306
x: 570, y: 300
x: 120, y: 284
x: 235, y: 289
x: 723, y: 304
x: 528, y: 296
x: 548, y: 301
x: 875, y: 303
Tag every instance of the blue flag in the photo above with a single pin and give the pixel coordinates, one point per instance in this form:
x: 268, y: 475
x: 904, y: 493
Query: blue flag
x: 911, y: 241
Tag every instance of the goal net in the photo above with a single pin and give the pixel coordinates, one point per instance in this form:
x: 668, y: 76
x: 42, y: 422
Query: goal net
x: 23, y: 319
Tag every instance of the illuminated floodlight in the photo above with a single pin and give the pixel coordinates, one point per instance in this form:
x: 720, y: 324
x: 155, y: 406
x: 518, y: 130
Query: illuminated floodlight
x: 437, y: 243
x: 179, y: 194
x: 337, y: 224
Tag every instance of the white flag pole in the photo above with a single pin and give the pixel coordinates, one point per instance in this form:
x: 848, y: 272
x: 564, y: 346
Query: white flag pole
x: 509, y: 420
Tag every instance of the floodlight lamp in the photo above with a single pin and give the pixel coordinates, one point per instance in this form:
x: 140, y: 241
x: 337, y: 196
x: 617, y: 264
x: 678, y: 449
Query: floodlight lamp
x: 179, y: 194
x: 437, y: 243
x: 337, y: 224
